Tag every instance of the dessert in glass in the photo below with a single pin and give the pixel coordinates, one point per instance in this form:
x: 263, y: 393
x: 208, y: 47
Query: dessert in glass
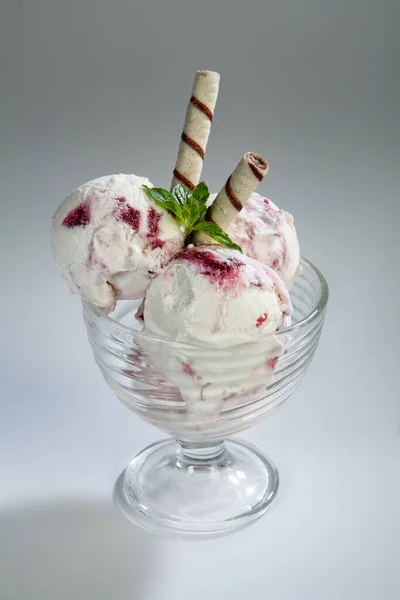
x: 202, y: 318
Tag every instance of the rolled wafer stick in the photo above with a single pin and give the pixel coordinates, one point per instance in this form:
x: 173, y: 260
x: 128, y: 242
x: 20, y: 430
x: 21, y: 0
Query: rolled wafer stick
x: 196, y: 129
x: 229, y: 202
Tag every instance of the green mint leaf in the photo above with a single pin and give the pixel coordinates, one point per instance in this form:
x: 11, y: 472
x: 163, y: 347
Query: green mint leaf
x: 181, y: 194
x: 193, y: 204
x: 187, y: 216
x: 196, y: 213
x: 201, y: 213
x: 166, y: 200
x: 215, y: 232
x: 201, y: 193
x: 197, y: 205
x: 200, y: 196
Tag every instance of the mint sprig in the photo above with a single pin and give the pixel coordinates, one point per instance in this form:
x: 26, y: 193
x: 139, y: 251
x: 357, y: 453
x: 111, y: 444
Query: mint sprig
x: 189, y: 209
x: 218, y: 234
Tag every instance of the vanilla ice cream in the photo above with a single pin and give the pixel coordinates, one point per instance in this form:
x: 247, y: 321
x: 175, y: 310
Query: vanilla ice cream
x: 223, y: 308
x: 110, y: 239
x: 266, y: 233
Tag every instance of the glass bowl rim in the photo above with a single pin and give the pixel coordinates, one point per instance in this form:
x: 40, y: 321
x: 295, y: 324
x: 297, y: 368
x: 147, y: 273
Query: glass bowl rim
x: 307, y: 320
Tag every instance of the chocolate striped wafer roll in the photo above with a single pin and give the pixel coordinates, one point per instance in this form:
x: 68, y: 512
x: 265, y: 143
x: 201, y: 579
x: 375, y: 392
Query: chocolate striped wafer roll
x: 196, y: 129
x: 229, y: 202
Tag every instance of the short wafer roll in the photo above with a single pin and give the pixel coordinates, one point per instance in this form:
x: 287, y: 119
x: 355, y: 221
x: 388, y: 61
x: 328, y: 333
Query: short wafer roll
x: 240, y: 185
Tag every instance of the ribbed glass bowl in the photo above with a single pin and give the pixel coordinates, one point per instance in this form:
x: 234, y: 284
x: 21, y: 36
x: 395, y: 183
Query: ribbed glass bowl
x: 198, y: 484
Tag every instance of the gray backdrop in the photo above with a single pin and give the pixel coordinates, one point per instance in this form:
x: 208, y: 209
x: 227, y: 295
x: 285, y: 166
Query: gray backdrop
x: 95, y: 87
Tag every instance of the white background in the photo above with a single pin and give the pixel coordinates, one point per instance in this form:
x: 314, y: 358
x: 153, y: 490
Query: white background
x: 90, y: 88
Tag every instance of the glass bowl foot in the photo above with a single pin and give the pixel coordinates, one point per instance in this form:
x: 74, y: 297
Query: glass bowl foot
x: 182, y: 490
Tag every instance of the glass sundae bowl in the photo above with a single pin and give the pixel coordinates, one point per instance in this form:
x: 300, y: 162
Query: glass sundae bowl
x: 200, y: 482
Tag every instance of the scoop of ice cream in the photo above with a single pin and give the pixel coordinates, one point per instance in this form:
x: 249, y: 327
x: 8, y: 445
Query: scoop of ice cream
x: 215, y: 296
x: 222, y: 305
x: 110, y: 240
x: 266, y: 233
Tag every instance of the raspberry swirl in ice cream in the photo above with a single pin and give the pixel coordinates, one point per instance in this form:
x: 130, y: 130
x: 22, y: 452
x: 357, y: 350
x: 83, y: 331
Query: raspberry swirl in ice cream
x: 110, y: 240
